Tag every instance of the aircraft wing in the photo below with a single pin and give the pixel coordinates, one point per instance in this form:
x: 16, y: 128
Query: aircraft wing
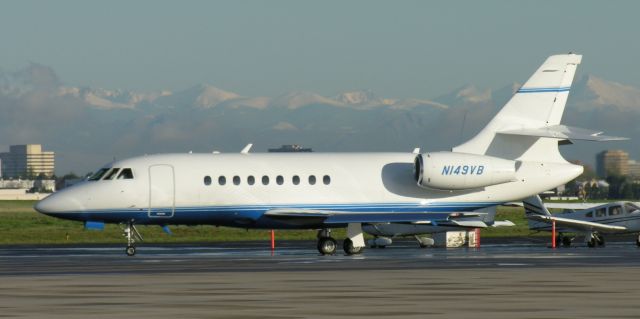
x: 576, y: 224
x: 574, y: 206
x: 339, y: 217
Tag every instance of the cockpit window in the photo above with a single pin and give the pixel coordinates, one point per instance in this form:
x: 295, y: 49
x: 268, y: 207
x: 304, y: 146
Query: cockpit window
x: 126, y: 173
x: 98, y: 175
x: 112, y: 173
x: 631, y: 208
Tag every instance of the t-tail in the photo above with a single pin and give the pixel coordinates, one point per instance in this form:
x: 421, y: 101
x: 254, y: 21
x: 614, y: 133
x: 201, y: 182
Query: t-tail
x: 528, y: 127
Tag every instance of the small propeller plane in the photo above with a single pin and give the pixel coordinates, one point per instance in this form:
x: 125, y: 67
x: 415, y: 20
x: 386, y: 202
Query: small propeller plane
x: 608, y: 218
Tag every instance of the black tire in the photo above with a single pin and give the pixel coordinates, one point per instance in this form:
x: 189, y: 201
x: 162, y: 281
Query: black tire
x: 566, y: 241
x: 130, y: 250
x: 600, y: 240
x: 591, y: 243
x: 638, y: 241
x: 559, y: 241
x: 327, y: 245
x: 349, y: 249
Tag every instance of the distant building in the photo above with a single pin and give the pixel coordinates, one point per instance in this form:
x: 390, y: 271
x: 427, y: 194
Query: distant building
x: 290, y: 148
x: 25, y: 161
x: 634, y: 169
x: 612, y: 162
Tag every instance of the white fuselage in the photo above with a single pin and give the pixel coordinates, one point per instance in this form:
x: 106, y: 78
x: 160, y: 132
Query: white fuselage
x: 172, y: 188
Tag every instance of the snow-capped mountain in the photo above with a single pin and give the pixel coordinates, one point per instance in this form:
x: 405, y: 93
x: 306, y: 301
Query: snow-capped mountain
x: 89, y: 126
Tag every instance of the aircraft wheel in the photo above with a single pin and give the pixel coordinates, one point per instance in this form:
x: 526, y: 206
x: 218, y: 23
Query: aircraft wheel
x: 566, y: 241
x: 638, y: 241
x: 327, y: 245
x: 349, y: 249
x: 559, y: 240
x: 131, y: 250
x: 600, y: 240
x: 591, y: 243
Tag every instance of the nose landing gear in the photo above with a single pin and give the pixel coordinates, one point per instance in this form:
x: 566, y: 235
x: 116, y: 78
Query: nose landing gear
x: 132, y: 234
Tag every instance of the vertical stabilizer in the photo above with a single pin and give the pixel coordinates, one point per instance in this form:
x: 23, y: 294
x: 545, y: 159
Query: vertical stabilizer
x: 539, y: 103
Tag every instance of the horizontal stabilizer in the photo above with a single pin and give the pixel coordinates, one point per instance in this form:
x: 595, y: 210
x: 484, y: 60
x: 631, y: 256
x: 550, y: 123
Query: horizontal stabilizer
x: 564, y: 132
x: 576, y: 224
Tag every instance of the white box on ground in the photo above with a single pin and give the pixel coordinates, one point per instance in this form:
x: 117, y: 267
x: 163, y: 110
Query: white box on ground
x: 450, y: 239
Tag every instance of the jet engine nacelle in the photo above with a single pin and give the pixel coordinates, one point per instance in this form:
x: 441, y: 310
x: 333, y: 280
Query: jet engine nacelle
x: 458, y: 171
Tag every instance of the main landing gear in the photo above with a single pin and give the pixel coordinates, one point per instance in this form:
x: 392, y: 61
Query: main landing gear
x: 594, y: 240
x: 352, y: 245
x: 326, y: 244
x: 132, y: 234
x: 563, y: 240
x: 638, y: 241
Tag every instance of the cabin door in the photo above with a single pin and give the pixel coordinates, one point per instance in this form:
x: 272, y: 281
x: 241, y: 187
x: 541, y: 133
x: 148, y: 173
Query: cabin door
x: 162, y: 192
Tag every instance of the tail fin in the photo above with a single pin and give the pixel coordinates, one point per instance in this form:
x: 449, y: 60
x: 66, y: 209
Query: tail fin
x: 533, y: 205
x: 538, y: 104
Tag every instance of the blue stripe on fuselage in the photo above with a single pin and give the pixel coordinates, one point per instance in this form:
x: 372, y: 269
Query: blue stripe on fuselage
x: 251, y: 216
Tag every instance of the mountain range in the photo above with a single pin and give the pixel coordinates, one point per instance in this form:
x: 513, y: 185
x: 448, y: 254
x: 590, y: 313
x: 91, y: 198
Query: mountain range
x: 88, y: 127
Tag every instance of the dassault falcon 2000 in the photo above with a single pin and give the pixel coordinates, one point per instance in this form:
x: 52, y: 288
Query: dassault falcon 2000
x: 515, y: 156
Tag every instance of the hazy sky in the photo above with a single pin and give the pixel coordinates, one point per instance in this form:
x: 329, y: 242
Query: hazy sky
x: 396, y: 48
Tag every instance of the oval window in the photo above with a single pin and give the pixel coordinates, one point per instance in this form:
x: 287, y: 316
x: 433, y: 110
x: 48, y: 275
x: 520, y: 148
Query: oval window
x: 326, y: 180
x: 222, y: 180
x: 251, y: 180
x: 312, y: 180
x: 207, y: 180
x: 280, y: 180
x: 295, y: 179
x: 265, y: 180
x: 236, y: 180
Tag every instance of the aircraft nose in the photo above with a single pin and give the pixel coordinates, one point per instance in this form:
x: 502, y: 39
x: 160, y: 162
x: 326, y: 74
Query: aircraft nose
x: 58, y: 203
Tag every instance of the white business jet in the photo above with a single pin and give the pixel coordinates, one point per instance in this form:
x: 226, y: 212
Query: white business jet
x: 515, y: 156
x: 607, y: 218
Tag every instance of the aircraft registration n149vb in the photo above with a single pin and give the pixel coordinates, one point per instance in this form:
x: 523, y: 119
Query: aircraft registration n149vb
x: 515, y: 156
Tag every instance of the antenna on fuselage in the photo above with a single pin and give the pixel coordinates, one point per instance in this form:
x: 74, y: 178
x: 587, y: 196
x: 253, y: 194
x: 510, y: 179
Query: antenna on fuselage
x: 246, y: 149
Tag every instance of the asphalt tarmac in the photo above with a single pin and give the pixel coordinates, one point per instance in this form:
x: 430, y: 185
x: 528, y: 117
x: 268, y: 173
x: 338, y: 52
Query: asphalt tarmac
x: 247, y: 280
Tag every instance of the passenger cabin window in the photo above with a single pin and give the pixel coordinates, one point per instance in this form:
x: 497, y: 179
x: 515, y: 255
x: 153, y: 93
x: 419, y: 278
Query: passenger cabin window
x: 601, y: 212
x: 615, y: 210
x: 312, y: 180
x: 589, y: 214
x: 265, y: 180
x: 126, y: 173
x: 112, y: 174
x: 326, y: 180
x: 251, y: 180
x: 295, y: 179
x: 222, y: 180
x: 207, y: 180
x: 279, y: 180
x: 98, y: 175
x: 236, y: 180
